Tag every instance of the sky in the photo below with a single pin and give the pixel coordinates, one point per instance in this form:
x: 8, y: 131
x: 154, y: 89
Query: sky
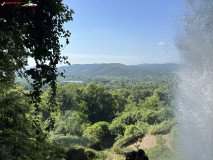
x: 130, y: 32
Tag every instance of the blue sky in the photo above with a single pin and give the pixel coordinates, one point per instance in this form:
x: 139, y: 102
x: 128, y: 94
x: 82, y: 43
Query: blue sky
x: 124, y: 31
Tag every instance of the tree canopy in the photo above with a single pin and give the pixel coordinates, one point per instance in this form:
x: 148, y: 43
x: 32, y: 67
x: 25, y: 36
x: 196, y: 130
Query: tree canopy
x: 29, y: 33
x: 33, y: 33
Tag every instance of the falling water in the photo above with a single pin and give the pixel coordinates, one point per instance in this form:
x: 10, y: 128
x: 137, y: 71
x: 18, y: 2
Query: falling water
x: 195, y: 90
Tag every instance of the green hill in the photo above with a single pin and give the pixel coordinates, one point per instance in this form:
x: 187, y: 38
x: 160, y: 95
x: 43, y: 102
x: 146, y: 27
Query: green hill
x: 119, y: 70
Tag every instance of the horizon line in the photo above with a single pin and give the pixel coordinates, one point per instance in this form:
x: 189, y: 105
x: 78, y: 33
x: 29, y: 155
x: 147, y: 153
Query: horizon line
x: 114, y: 63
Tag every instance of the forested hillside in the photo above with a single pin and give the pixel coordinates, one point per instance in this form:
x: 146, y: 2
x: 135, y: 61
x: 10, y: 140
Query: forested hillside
x: 117, y: 70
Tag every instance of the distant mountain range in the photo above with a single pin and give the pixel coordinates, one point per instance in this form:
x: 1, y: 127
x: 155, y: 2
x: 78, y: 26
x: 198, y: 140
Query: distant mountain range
x: 120, y: 70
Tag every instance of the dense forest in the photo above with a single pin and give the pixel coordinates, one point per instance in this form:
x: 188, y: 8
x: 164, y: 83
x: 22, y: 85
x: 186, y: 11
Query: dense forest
x: 105, y: 121
x: 98, y: 117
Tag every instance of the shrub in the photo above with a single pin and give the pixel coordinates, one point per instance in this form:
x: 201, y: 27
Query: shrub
x: 164, y: 114
x: 162, y: 128
x: 69, y: 123
x: 128, y: 118
x: 131, y: 130
x: 145, y: 115
x: 142, y: 127
x: 81, y: 154
x: 96, y: 146
x: 76, y: 153
x: 119, y: 145
x: 98, y: 130
x: 90, y: 154
x: 117, y: 128
x: 149, y: 116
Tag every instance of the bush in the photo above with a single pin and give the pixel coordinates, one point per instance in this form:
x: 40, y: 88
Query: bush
x: 76, y: 153
x: 98, y: 130
x: 142, y: 127
x: 149, y: 116
x: 96, y: 146
x: 117, y: 128
x: 132, y: 117
x: 90, y: 154
x: 69, y: 123
x: 81, y: 154
x: 145, y: 115
x: 119, y: 145
x: 162, y: 128
x: 131, y: 130
x: 164, y: 114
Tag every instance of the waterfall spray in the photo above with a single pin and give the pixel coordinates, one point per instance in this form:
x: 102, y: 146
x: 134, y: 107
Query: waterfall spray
x: 195, y: 90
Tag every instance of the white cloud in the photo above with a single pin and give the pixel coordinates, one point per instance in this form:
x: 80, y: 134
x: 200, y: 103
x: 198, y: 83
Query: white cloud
x: 161, y: 43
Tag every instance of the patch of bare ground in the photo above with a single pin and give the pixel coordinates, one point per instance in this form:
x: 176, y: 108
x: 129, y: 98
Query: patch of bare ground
x: 148, y: 141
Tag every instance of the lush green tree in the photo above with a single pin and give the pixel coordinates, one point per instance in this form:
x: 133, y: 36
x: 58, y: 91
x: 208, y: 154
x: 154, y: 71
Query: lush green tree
x: 164, y: 114
x: 69, y: 97
x: 13, y: 121
x: 131, y: 130
x: 121, y: 99
x: 100, y: 130
x: 129, y: 117
x: 163, y: 94
x: 69, y: 124
x: 19, y: 139
x: 117, y: 128
x: 99, y: 104
x: 33, y: 33
x: 139, y: 94
x: 152, y: 102
x: 29, y: 33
